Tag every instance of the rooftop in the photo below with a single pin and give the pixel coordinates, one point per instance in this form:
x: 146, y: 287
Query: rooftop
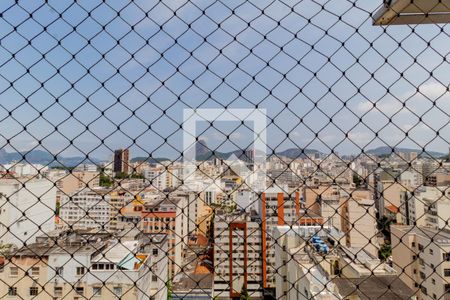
x: 441, y: 236
x: 374, y: 287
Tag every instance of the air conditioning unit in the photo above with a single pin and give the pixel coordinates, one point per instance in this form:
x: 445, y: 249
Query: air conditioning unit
x: 403, y: 12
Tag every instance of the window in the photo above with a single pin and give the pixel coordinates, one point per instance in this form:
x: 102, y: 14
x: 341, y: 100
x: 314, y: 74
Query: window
x: 420, y: 247
x: 446, y: 256
x: 433, y: 281
x: 12, y: 291
x: 155, y: 252
x: 431, y: 251
x: 58, y: 291
x: 422, y: 275
x: 154, y: 278
x: 413, y: 244
x: 97, y: 290
x: 447, y: 287
x: 424, y: 290
x: 446, y: 272
x: 59, y: 271
x: 34, y: 291
x: 35, y: 271
x: 117, y: 291
x: 14, y: 271
x: 81, y: 271
x: 79, y: 290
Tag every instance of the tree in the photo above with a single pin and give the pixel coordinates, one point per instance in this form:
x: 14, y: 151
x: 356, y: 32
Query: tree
x: 244, y: 293
x: 105, y: 180
x: 356, y: 179
x: 384, y: 225
x: 384, y: 252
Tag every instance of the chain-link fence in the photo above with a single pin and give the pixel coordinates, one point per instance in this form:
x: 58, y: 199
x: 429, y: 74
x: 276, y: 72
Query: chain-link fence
x: 224, y: 149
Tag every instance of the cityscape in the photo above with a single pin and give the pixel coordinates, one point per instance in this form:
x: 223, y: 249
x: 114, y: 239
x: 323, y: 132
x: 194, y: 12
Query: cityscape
x: 225, y: 149
x: 324, y: 228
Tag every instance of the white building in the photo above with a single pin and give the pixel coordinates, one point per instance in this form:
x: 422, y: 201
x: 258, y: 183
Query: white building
x: 92, y: 208
x: 427, y: 206
x: 23, y: 169
x: 330, y: 206
x: 88, y: 265
x: 27, y: 209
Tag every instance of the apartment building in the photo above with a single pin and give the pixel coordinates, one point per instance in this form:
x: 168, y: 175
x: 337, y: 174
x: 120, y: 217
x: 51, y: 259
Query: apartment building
x: 80, y: 265
x: 72, y: 181
x: 238, y: 264
x: 421, y: 256
x: 330, y: 204
x: 93, y: 208
x: 167, y: 215
x: 290, y: 238
x: 27, y: 209
x: 24, y: 169
x: 359, y: 222
x: 121, y: 161
x: 276, y: 207
x: 411, y: 178
x: 427, y: 206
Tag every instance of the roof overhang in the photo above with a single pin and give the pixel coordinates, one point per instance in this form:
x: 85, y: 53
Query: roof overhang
x: 402, y: 12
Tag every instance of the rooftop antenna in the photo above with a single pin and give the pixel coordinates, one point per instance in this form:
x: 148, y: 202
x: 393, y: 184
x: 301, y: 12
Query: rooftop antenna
x: 413, y: 12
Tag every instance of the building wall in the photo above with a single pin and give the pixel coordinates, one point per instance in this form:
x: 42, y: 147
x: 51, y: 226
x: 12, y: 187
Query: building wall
x: 77, y: 180
x: 25, y: 207
x: 359, y: 224
x: 421, y: 262
x: 239, y: 238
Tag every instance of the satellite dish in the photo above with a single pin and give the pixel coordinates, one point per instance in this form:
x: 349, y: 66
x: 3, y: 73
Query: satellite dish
x: 403, y: 12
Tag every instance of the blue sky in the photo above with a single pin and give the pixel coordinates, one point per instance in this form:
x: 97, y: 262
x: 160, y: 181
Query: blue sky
x: 306, y: 61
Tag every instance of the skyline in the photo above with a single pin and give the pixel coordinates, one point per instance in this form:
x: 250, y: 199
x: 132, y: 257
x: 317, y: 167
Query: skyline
x: 37, y: 158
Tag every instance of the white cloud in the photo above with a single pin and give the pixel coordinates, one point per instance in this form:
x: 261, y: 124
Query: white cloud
x: 387, y: 106
x: 360, y: 137
x: 433, y: 90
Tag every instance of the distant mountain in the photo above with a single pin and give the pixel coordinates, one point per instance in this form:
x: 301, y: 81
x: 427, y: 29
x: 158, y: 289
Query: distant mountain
x: 298, y: 153
x: 203, y: 152
x: 386, y: 150
x: 44, y: 158
x: 151, y: 160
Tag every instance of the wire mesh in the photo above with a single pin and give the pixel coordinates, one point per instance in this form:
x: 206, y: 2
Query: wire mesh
x: 212, y: 149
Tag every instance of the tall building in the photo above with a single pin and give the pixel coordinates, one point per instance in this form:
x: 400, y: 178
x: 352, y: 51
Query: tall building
x: 276, y: 208
x: 121, y: 161
x: 330, y: 205
x: 169, y: 215
x: 27, y: 209
x: 237, y: 255
x: 359, y: 222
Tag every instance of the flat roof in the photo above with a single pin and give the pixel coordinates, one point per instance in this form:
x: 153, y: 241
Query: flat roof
x: 441, y: 236
x: 374, y: 287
